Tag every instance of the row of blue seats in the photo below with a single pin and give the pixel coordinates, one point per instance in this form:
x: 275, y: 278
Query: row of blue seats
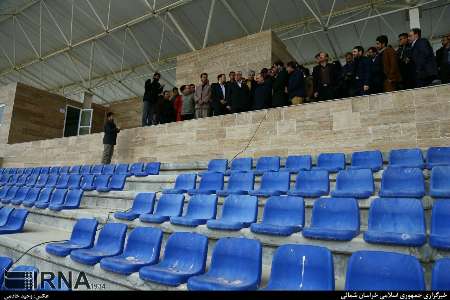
x: 12, y: 220
x: 5, y: 266
x: 396, y: 182
x: 334, y: 162
x: 53, y: 199
x: 101, y: 183
x: 236, y: 263
x: 391, y: 221
x: 136, y: 169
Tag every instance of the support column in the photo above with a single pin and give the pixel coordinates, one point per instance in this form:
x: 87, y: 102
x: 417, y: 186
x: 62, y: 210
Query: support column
x: 414, y: 18
x: 87, y: 100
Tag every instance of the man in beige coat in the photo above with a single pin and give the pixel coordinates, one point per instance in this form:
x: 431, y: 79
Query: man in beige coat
x: 202, y: 98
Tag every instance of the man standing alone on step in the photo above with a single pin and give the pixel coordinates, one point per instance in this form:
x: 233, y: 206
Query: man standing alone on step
x: 110, y: 139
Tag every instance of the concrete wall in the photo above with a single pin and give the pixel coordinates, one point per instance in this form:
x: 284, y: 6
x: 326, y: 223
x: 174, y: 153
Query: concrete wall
x: 128, y: 113
x: 416, y: 118
x: 7, y: 94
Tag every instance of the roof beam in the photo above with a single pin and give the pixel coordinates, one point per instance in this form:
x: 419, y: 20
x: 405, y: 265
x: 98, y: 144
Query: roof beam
x: 265, y: 15
x: 208, y: 24
x: 183, y: 34
x: 235, y: 16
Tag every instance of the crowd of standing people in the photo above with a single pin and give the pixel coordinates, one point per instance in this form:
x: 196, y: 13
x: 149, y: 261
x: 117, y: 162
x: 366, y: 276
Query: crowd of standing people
x: 377, y: 70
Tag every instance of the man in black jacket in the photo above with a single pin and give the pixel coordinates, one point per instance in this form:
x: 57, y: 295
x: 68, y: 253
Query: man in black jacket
x: 325, y: 78
x: 362, y: 71
x: 280, y: 83
x: 238, y: 99
x: 443, y: 59
x: 219, y: 93
x: 109, y: 139
x: 422, y: 55
x: 152, y: 90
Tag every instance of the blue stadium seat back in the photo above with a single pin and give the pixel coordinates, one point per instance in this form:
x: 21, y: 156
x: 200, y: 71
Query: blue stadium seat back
x: 121, y: 169
x: 20, y: 171
x: 10, y: 195
x: 142, y: 249
x: 402, y: 182
x: 440, y: 182
x: 334, y: 219
x: 117, y: 182
x: 440, y: 225
x: 108, y: 169
x: 235, y: 265
x: 87, y: 182
x: 218, y: 165
x: 238, y: 211
x: 185, y: 256
x: 31, y: 180
x: 85, y: 169
x: 143, y: 204
x: 13, y: 179
x: 101, y: 182
x: 396, y: 222
x: 367, y: 160
x: 438, y: 156
x: 384, y: 271
x: 440, y: 277
x: 28, y: 171
x: 267, y: 164
x: 73, y: 199
x: 21, y: 180
x: 5, y: 264
x: 332, y: 162
x: 64, y: 170
x: 75, y: 170
x: 42, y: 180
x: 63, y: 181
x: 74, y: 181
x: 44, y: 196
x: 22, y: 268
x: 314, y: 183
x: 14, y: 170
x: 282, y: 216
x: 210, y: 184
x: 297, y: 163
x: 244, y: 164
x: 239, y: 184
x: 54, y: 170
x: 169, y: 205
x: 5, y: 212
x: 136, y: 168
x: 20, y: 196
x: 45, y: 170
x: 31, y: 197
x: 201, y: 208
x: 58, y: 197
x: 3, y: 191
x: 152, y: 168
x: 273, y: 184
x: 16, y: 222
x: 183, y: 183
x: 355, y: 184
x: 302, y: 268
x: 52, y: 180
x: 406, y: 158
x: 5, y: 178
x: 97, y: 169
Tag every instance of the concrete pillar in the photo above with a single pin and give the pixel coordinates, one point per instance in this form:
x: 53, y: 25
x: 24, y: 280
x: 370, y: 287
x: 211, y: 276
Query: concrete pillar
x: 87, y: 100
x: 414, y: 18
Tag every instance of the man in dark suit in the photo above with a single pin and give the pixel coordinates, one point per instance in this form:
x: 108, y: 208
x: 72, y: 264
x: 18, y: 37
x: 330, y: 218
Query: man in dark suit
x: 405, y: 64
x: 362, y: 71
x: 280, y: 83
x: 219, y: 92
x: 422, y: 55
x: 238, y: 99
x: 443, y: 59
x: 325, y: 78
x: 109, y: 139
x: 152, y: 91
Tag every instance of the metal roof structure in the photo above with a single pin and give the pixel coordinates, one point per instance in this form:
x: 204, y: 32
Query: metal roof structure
x: 110, y: 47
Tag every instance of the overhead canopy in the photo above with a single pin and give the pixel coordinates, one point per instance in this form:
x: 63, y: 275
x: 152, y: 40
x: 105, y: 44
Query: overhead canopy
x: 109, y: 47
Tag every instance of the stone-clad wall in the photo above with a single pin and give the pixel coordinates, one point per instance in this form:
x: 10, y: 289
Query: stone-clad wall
x: 416, y: 118
x: 7, y: 94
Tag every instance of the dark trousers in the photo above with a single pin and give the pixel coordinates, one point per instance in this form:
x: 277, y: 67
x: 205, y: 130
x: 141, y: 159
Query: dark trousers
x: 108, y: 152
x: 148, y: 114
x: 326, y: 93
x: 187, y: 117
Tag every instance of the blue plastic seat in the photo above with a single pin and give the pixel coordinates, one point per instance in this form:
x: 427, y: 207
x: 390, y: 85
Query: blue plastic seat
x: 440, y: 182
x: 74, y: 181
x: 86, y: 169
x: 440, y: 225
x: 332, y: 162
x: 273, y: 184
x: 267, y: 164
x: 184, y: 256
x: 108, y: 169
x: 440, y: 278
x: 384, y: 271
x: 244, y: 164
x: 216, y: 166
x: 20, y: 196
x: 31, y: 180
x: 20, y: 171
x: 21, y: 180
x: 367, y: 160
x: 3, y: 191
x: 42, y: 181
x: 71, y: 201
x: 110, y: 242
x: 354, y: 184
x: 296, y: 163
x: 87, y: 182
x: 5, y: 179
x: 142, y: 249
x: 5, y: 212
x: 121, y: 169
x: 301, y: 268
x: 54, y: 170
x: 209, y: 184
x: 238, y: 211
x: 10, y: 195
x: 235, y: 265
x: 149, y: 169
x: 169, y: 205
x: 201, y: 208
x: 15, y: 222
x: 311, y: 184
x: 396, y: 222
x: 75, y: 170
x: 406, y: 158
x: 334, y: 219
x: 28, y: 171
x: 97, y: 169
x: 44, y: 197
x: 31, y: 270
x: 45, y: 170
x: 183, y: 183
x: 13, y: 179
x: 143, y: 204
x: 136, y: 168
x: 5, y: 264
x: 52, y: 181
x: 31, y: 197
x: 282, y: 216
x: 82, y: 237
x: 438, y: 156
x: 117, y: 183
x: 57, y: 198
x: 64, y: 170
x: 101, y: 183
x: 239, y: 184
x: 402, y: 182
x: 63, y: 181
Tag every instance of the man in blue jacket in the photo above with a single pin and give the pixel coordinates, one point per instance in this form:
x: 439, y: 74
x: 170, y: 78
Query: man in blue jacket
x: 422, y: 55
x: 362, y: 71
x: 296, y: 85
